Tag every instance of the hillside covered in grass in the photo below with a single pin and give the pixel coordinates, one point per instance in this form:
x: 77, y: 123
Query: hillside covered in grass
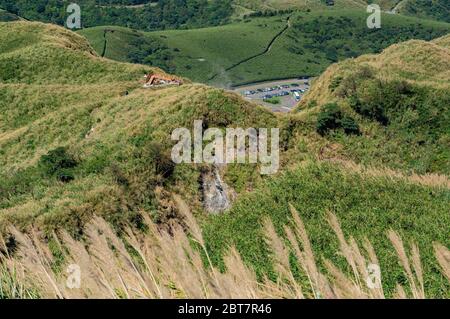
x: 402, y: 96
x: 398, y: 102
x: 63, y: 105
x: 429, y: 9
x: 80, y: 137
x: 261, y: 48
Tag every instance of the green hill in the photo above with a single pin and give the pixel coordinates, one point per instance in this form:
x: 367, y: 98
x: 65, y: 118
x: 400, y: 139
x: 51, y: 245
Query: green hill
x: 55, y: 92
x: 428, y: 9
x: 80, y: 137
x: 402, y: 96
x: 408, y: 83
x: 262, y: 48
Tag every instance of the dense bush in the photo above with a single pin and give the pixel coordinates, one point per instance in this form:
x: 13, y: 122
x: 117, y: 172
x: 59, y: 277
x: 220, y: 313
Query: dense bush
x: 328, y: 118
x: 331, y: 118
x: 374, y: 110
x: 349, y: 125
x: 162, y: 161
x: 411, y: 117
x: 390, y: 103
x: 384, y: 100
x: 151, y: 52
x: 166, y: 14
x: 58, y: 163
x: 438, y: 9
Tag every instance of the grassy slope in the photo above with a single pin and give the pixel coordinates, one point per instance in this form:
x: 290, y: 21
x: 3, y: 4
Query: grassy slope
x: 304, y: 49
x: 118, y: 41
x: 295, y: 4
x: 419, y: 116
x: 79, y: 103
x: 428, y: 9
x: 58, y: 100
x: 434, y: 9
x: 201, y: 53
x: 367, y: 206
x: 370, y: 203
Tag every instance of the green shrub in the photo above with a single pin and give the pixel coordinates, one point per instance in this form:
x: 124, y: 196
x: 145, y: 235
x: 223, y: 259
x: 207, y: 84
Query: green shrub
x: 65, y: 176
x: 335, y: 83
x: 155, y: 158
x: 373, y: 110
x: 58, y: 163
x: 350, y: 126
x: 331, y: 118
x: 164, y: 166
x: 273, y: 100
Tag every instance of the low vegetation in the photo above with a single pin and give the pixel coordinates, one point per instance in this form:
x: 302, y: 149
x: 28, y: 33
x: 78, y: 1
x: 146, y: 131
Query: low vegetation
x: 273, y: 100
x: 162, y: 265
x: 400, y: 100
x: 331, y: 118
x: 143, y: 15
x: 366, y: 206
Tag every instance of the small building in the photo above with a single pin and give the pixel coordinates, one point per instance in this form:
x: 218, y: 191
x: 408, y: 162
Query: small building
x: 155, y: 80
x: 330, y: 2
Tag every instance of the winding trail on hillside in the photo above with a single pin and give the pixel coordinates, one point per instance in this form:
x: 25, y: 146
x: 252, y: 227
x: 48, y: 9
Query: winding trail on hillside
x: 105, y: 43
x: 266, y: 50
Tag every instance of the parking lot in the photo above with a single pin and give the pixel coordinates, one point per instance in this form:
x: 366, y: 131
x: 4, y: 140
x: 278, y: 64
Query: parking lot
x: 279, y: 96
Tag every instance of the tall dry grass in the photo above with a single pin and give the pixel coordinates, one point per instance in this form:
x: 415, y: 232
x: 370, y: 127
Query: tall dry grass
x: 160, y: 264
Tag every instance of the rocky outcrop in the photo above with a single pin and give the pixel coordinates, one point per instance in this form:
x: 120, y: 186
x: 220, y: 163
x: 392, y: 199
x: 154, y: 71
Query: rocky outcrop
x: 217, y: 195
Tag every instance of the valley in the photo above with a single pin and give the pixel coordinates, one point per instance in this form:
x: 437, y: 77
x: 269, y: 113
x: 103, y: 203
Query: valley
x: 262, y: 49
